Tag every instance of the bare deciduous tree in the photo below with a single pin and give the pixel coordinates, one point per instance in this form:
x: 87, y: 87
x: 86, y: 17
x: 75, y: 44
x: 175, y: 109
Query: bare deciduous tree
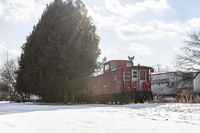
x: 190, y: 59
x: 161, y: 69
x: 8, y: 78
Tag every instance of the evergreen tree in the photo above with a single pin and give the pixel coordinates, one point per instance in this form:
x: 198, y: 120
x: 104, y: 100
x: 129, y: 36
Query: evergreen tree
x: 60, y: 53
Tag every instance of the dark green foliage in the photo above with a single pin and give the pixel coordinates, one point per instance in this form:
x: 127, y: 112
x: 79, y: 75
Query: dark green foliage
x: 60, y: 54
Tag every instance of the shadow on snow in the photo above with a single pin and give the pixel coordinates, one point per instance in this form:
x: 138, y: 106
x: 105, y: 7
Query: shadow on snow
x: 11, y: 108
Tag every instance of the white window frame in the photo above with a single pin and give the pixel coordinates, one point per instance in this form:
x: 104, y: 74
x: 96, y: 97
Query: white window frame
x: 124, y: 76
x: 134, y: 78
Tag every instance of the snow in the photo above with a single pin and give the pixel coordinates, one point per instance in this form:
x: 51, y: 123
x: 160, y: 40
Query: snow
x: 97, y: 118
x: 4, y: 102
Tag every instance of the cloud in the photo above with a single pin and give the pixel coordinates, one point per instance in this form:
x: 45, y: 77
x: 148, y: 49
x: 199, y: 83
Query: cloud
x: 157, y: 34
x: 194, y: 22
x: 23, y: 10
x: 12, y: 52
x: 141, y: 49
x: 128, y: 10
x: 116, y: 14
x: 130, y: 28
x: 178, y: 49
x: 141, y: 28
x: 1, y: 9
x: 149, y: 31
x: 98, y: 18
x: 110, y: 50
x: 156, y: 30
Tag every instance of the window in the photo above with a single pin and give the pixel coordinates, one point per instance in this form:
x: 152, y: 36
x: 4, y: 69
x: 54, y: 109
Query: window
x: 106, y: 67
x: 142, y: 75
x: 113, y: 66
x: 135, y: 75
x: 129, y: 64
x: 126, y: 76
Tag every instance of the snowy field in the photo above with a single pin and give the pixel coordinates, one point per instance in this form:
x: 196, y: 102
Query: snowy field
x: 131, y: 118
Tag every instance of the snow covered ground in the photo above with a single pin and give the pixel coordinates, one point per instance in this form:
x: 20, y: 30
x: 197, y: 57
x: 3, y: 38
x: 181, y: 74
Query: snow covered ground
x: 131, y: 118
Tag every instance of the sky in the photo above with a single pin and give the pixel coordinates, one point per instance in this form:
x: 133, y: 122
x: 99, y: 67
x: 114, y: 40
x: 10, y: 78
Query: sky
x: 151, y: 30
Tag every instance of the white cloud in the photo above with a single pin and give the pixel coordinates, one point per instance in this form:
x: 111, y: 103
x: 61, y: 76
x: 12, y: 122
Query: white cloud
x: 127, y: 10
x: 110, y: 50
x: 148, y: 31
x: 141, y: 49
x: 178, y: 48
x: 131, y: 28
x: 194, y: 22
x: 156, y: 30
x: 11, y: 51
x: 116, y: 14
x: 23, y: 10
x: 137, y: 33
x: 98, y: 18
x: 1, y: 9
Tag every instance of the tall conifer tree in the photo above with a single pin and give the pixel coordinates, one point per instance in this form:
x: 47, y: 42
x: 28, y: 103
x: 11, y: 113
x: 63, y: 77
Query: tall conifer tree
x: 60, y: 53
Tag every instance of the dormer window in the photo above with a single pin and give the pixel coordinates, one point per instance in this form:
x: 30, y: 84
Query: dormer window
x: 113, y: 66
x: 106, y: 67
